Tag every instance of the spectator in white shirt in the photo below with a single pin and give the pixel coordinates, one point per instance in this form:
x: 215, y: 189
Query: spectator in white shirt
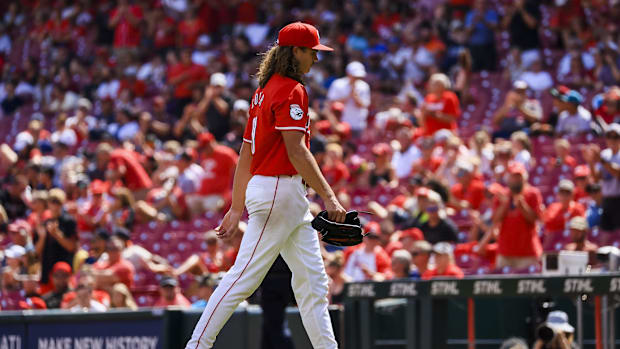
x: 82, y: 122
x: 574, y: 119
x: 406, y: 154
x: 536, y: 78
x: 354, y: 93
x: 84, y: 296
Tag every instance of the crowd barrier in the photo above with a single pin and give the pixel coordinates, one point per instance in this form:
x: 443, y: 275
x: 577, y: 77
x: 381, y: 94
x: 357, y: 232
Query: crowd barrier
x: 478, y: 312
x: 142, y: 329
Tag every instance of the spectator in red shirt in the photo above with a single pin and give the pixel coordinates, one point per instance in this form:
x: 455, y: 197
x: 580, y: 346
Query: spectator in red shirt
x: 609, y: 111
x: 115, y: 268
x: 94, y: 213
x: 578, y: 227
x: 557, y: 215
x: 562, y: 157
x: 169, y: 294
x: 468, y: 192
x: 189, y: 29
x: 428, y: 163
x: 123, y: 164
x: 444, y: 263
x: 515, y: 216
x: 334, y: 169
x: 125, y: 19
x: 219, y: 163
x: 183, y: 77
x: 61, y: 275
x: 441, y: 106
x: 581, y: 178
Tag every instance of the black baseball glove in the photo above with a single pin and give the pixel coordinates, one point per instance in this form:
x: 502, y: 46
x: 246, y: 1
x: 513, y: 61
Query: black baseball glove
x: 348, y: 233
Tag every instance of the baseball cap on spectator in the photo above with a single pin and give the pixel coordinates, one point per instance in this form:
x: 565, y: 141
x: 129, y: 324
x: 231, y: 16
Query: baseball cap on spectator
x: 372, y: 229
x: 613, y: 128
x: 22, y: 140
x: 517, y: 168
x: 566, y: 185
x: 578, y: 223
x: 559, y: 91
x: 465, y: 166
x: 168, y: 282
x: 241, y: 104
x: 102, y: 233
x: 423, y: 192
x: 356, y: 69
x: 15, y: 251
x: 581, y: 171
x: 205, y: 138
x: 57, y: 195
x: 423, y: 246
x: 207, y: 281
x: 380, y: 149
x: 37, y: 116
x: 218, y: 79
x: 519, y: 85
x: 99, y: 187
x: 573, y: 97
x: 122, y: 233
x: 63, y: 267
x: 443, y: 135
x: 443, y: 248
x: 414, y: 233
x: 204, y: 40
x: 301, y: 35
x: 85, y: 103
x: 337, y: 106
x: 19, y: 225
x: 32, y: 303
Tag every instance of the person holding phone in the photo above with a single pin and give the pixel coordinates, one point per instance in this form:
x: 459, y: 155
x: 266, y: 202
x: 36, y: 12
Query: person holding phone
x: 515, y: 214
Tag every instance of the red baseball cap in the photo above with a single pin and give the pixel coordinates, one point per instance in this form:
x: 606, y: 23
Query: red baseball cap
x: 414, y: 233
x: 517, y: 168
x: 372, y: 228
x: 302, y: 35
x: 205, y: 138
x: 582, y: 171
x: 99, y: 187
x: 62, y: 266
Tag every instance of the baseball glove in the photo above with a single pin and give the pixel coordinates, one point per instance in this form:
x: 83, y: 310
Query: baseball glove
x: 348, y: 233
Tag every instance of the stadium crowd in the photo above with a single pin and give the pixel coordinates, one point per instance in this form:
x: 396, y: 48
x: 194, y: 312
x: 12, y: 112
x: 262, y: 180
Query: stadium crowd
x: 479, y: 134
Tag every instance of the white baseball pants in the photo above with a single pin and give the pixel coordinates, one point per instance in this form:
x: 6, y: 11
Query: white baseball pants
x: 279, y: 223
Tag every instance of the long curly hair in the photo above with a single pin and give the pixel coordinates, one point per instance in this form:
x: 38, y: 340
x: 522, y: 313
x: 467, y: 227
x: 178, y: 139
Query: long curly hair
x: 278, y: 59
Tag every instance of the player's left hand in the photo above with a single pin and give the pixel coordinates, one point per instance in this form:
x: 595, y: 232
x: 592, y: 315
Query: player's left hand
x: 230, y: 225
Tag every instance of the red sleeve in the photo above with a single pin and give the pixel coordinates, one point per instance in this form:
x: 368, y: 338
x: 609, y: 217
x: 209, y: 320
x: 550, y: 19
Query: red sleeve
x: 477, y: 196
x: 534, y: 199
x: 292, y: 113
x: 383, y: 261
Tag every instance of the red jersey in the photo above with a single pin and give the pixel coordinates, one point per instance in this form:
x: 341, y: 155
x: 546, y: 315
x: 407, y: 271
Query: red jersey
x: 447, y: 103
x: 126, y: 34
x: 136, y: 177
x: 473, y: 193
x: 219, y: 170
x: 281, y: 106
x: 556, y: 216
x: 517, y: 237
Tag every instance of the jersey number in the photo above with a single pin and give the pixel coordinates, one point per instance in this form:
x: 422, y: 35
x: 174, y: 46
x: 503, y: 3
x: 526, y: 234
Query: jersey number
x: 254, y: 123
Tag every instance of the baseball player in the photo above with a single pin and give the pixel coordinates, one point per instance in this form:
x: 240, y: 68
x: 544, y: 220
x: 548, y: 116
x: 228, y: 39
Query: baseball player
x: 274, y: 166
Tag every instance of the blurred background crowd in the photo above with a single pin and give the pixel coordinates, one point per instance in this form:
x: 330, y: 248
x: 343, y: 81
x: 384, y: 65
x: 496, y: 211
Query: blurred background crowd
x: 480, y: 134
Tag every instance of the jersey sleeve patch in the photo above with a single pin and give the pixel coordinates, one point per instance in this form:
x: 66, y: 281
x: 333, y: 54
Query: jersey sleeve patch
x: 296, y: 112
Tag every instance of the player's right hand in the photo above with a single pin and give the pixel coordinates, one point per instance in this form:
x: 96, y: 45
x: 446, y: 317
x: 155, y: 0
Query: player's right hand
x: 335, y: 211
x: 230, y: 225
